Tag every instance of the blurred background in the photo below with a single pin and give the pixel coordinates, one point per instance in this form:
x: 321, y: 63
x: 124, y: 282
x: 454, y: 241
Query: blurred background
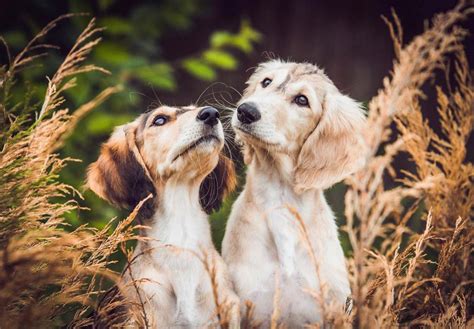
x: 196, y: 51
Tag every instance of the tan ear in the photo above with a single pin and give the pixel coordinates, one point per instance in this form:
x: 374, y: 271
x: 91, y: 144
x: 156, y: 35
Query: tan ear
x: 119, y: 175
x: 336, y: 147
x: 217, y: 185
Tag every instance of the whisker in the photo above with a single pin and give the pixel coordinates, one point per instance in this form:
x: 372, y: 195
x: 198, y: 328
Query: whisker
x: 156, y: 95
x: 225, y: 97
x: 229, y: 151
x: 138, y: 93
x: 220, y: 102
x: 206, y: 89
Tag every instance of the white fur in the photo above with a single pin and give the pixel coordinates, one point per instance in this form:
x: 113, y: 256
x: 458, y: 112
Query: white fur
x: 175, y: 283
x: 175, y: 265
x: 264, y: 244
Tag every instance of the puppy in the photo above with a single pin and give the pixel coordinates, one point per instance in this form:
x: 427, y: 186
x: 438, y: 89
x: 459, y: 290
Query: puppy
x: 174, y: 154
x: 300, y: 135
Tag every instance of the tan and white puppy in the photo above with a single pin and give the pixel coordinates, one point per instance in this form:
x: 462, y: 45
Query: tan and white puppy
x: 300, y: 135
x: 175, y: 155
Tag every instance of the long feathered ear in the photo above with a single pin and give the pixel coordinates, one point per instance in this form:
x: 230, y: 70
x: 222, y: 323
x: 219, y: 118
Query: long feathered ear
x: 336, y: 148
x: 217, y: 185
x: 119, y: 175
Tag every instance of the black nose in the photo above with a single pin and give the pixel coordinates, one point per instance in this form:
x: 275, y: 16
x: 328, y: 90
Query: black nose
x: 209, y: 116
x: 248, y: 113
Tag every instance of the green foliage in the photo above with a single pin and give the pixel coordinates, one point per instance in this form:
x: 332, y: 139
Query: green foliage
x: 216, y: 57
x: 220, y: 59
x: 160, y: 75
x: 132, y: 51
x: 200, y: 69
x: 243, y: 40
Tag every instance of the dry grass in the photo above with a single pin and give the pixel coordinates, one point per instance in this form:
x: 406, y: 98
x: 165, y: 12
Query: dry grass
x: 393, y: 280
x: 398, y: 276
x: 47, y: 272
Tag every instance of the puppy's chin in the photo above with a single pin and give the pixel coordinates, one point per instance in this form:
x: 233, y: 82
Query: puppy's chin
x: 196, y: 161
x: 254, y: 139
x: 205, y: 151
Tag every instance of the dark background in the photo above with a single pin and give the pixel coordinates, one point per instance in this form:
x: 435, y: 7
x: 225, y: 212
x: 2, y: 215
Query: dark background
x: 347, y: 38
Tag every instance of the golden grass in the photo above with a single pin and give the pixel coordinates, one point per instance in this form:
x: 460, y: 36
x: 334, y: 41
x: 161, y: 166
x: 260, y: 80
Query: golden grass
x: 399, y: 277
x: 394, y: 283
x: 46, y: 271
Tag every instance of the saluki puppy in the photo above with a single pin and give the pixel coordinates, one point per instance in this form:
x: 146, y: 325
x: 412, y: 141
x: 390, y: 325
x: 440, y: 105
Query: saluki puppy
x: 300, y: 135
x: 174, y: 154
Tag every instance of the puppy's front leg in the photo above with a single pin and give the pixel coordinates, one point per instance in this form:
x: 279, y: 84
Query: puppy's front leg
x: 227, y: 300
x: 284, y: 229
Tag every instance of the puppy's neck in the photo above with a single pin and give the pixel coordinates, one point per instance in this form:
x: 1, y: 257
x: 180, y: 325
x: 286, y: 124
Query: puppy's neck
x: 270, y: 180
x: 179, y: 197
x: 179, y: 219
x: 277, y: 167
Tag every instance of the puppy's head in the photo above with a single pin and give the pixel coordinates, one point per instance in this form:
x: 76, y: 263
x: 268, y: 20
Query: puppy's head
x: 294, y: 108
x: 183, y: 144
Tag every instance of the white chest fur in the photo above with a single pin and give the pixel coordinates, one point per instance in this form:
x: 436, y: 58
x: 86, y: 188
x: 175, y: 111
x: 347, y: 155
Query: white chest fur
x: 170, y: 265
x: 295, y: 239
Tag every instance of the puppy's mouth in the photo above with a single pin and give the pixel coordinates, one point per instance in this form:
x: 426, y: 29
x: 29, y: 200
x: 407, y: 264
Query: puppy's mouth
x: 197, y: 143
x: 254, y: 137
x: 247, y: 131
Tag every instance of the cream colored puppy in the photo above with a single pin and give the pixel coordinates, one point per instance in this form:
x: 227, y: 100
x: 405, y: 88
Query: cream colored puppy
x: 175, y: 155
x: 300, y: 135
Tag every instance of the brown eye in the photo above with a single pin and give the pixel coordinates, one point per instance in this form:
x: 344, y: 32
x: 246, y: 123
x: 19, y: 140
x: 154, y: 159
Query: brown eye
x: 266, y: 82
x: 160, y: 120
x: 301, y: 100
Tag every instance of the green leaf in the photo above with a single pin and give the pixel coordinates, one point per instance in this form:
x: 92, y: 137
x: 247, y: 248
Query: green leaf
x: 105, y: 4
x: 116, y: 25
x: 220, y: 39
x: 243, y: 40
x: 246, y: 37
x: 81, y: 91
x: 242, y: 44
x: 79, y: 7
x: 199, y: 69
x: 159, y: 75
x: 248, y: 32
x: 220, y: 59
x: 112, y: 53
x: 134, y: 62
x: 101, y: 123
x: 15, y: 39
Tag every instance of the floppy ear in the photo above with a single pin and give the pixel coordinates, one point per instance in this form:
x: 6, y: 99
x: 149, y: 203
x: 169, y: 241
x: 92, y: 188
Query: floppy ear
x: 217, y: 185
x: 336, y: 147
x: 119, y: 175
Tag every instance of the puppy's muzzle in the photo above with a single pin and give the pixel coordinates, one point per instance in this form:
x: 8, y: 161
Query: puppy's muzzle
x: 209, y: 116
x: 248, y: 113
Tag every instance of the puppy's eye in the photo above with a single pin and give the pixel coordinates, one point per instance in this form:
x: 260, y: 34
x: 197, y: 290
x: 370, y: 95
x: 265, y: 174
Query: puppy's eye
x: 301, y: 100
x: 266, y: 82
x: 160, y: 120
